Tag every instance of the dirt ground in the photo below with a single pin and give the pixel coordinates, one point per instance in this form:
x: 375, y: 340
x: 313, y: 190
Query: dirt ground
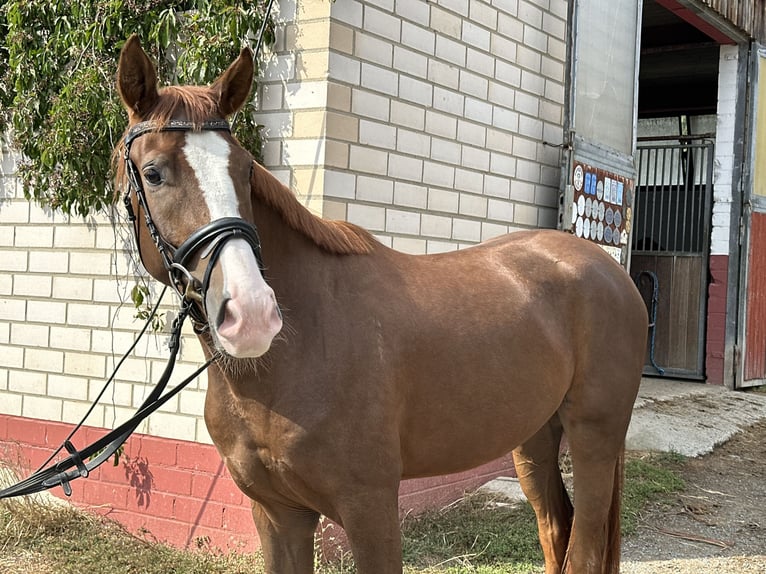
x: 717, y: 524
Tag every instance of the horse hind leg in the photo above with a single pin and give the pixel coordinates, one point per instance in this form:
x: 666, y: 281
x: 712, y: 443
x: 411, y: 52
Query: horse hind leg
x: 537, y: 467
x: 597, y: 451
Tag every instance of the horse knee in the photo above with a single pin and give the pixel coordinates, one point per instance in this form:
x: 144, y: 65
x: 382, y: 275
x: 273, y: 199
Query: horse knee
x: 287, y: 537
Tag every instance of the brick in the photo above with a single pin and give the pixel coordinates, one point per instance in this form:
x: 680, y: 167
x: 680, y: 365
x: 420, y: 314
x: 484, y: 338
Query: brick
x: 74, y: 237
x: 475, y: 158
x: 522, y: 191
x: 525, y: 215
x: 15, y: 211
x: 350, y: 12
x: 413, y: 142
x: 379, y: 79
x: 450, y: 51
x: 73, y: 288
x: 436, y: 226
x: 12, y: 309
x: 443, y: 74
x: 88, y: 315
x: 441, y: 124
x: 43, y: 360
x: 372, y: 49
x: 409, y: 195
x: 417, y: 38
x: 471, y: 133
x: 372, y: 218
x: 27, y: 382
x: 399, y: 221
x: 377, y: 134
x: 341, y: 38
x: 478, y: 110
x: 503, y: 164
x: 41, y: 408
x: 369, y: 105
x: 11, y: 260
x: 10, y: 404
x: 382, y: 24
x: 90, y: 263
x: 408, y: 115
x: 368, y: 160
x: 344, y: 69
x: 11, y: 357
x: 305, y: 95
x: 405, y: 167
x: 500, y: 210
x: 84, y: 364
x: 445, y: 22
x: 469, y: 180
x: 466, y: 230
x: 475, y: 35
x: 473, y: 205
x: 491, y: 230
x: 171, y: 425
x: 448, y: 101
x: 34, y: 236
x: 374, y: 189
x: 445, y: 150
x: 496, y: 186
x: 438, y: 174
x: 31, y: 285
x: 29, y: 335
x: 415, y: 91
x: 442, y: 200
x: 530, y: 14
x: 440, y: 246
x: 66, y: 387
x: 192, y: 402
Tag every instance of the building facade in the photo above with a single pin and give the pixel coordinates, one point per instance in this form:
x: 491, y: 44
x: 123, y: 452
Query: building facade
x: 435, y: 125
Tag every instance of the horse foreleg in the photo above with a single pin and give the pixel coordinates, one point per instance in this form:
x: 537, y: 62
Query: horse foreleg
x: 537, y: 467
x: 371, y: 522
x: 287, y: 537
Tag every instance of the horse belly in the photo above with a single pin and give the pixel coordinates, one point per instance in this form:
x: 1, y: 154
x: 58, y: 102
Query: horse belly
x: 477, y: 414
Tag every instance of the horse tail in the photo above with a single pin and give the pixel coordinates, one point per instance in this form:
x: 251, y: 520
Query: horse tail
x: 611, y: 564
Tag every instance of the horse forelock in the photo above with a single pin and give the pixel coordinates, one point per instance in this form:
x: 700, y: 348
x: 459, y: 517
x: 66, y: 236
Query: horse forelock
x: 195, y: 104
x: 339, y: 237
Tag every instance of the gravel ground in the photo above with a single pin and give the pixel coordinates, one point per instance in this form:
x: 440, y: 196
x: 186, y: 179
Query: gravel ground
x: 718, y: 524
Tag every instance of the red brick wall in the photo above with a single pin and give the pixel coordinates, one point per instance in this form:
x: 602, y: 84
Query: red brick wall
x: 180, y: 492
x: 716, y: 319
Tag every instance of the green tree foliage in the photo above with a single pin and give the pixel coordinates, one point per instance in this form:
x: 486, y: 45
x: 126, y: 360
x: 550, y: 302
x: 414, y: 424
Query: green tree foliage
x: 58, y: 103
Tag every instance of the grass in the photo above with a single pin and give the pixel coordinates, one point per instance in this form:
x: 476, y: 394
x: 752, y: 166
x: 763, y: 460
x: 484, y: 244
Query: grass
x: 478, y: 534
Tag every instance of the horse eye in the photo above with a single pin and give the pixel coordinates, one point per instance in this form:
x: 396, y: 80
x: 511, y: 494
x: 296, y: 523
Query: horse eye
x: 153, y: 176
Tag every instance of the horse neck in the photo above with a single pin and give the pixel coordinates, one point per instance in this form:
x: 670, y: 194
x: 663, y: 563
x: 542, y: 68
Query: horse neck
x: 278, y: 211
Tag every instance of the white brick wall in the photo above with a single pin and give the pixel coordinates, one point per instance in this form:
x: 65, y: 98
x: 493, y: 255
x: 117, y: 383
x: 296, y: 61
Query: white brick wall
x: 420, y: 121
x: 724, y: 150
x: 66, y: 318
x: 451, y: 98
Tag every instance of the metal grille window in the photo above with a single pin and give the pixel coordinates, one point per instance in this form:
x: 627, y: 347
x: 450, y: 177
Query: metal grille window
x: 672, y: 198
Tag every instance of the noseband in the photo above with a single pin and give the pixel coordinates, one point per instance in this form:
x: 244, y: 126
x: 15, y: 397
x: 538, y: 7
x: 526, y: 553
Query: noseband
x: 212, y: 236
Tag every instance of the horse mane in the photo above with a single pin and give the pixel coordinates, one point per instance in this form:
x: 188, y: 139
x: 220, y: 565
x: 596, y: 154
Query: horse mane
x: 198, y: 104
x: 339, y: 237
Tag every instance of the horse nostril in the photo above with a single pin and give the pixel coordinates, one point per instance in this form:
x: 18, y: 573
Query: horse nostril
x: 221, y: 317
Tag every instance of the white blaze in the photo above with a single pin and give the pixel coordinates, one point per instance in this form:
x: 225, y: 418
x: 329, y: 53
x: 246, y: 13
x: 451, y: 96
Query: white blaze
x: 251, y: 319
x: 208, y: 155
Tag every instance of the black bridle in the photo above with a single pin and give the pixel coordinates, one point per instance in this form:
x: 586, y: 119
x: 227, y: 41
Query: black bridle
x: 212, y: 236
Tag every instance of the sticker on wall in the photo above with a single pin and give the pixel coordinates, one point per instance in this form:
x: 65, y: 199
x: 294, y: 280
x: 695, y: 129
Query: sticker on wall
x: 601, y: 208
x: 577, y: 178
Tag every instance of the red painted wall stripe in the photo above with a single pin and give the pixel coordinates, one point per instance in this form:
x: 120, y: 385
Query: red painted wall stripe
x: 180, y: 491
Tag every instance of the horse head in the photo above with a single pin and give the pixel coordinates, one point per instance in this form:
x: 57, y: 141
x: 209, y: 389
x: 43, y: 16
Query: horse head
x: 187, y: 182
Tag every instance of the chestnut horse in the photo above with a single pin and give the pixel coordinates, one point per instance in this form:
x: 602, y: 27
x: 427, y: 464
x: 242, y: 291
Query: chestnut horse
x: 388, y: 366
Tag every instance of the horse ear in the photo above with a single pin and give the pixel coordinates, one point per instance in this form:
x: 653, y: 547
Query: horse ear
x: 136, y: 78
x: 233, y: 86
